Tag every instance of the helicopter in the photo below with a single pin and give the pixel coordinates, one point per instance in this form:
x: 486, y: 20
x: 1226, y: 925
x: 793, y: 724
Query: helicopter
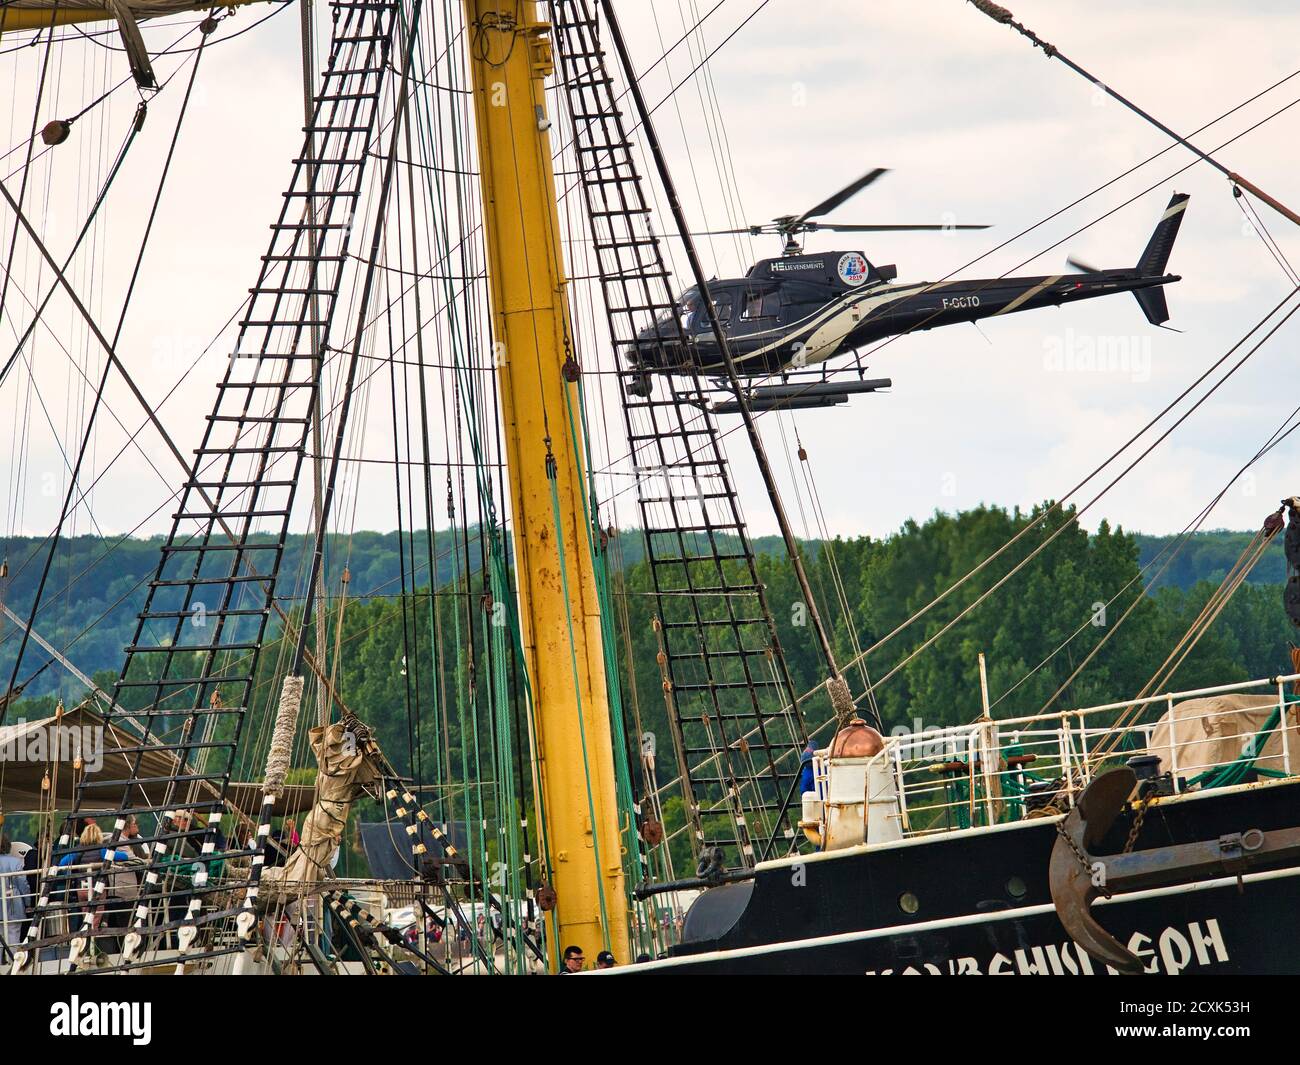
x: 797, y: 310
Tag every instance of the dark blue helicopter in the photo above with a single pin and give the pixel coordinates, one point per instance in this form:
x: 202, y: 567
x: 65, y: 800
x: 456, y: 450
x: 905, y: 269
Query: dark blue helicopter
x: 790, y: 313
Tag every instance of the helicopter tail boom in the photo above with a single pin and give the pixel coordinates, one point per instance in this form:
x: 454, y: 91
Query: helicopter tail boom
x: 1156, y: 256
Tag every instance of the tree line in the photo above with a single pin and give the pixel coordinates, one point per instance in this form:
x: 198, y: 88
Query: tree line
x: 417, y: 666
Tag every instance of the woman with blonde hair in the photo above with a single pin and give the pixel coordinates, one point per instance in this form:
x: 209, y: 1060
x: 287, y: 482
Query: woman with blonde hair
x: 91, y: 840
x: 91, y: 854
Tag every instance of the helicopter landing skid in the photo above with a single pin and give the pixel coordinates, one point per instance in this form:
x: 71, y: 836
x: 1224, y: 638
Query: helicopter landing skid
x: 795, y: 396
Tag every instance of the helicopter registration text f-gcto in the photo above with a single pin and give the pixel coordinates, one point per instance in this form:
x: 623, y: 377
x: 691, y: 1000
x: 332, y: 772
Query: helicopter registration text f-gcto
x: 961, y: 301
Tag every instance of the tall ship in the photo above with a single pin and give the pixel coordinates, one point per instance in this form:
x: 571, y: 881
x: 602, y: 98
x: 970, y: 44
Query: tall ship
x: 569, y: 727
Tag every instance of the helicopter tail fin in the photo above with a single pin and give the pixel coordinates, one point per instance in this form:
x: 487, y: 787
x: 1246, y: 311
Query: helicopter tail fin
x: 1152, y: 302
x: 1161, y: 243
x: 1156, y: 256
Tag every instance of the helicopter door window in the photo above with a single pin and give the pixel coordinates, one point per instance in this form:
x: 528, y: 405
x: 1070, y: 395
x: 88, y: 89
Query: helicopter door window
x: 722, y: 306
x: 761, y: 305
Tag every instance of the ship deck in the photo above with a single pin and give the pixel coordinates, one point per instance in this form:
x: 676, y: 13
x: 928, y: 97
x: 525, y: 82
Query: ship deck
x: 993, y: 775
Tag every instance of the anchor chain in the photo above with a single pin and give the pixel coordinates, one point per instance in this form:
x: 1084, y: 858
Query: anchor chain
x: 1080, y: 857
x: 1145, y: 798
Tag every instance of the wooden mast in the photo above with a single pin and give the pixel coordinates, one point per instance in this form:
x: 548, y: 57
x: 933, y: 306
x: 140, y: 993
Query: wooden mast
x: 14, y: 19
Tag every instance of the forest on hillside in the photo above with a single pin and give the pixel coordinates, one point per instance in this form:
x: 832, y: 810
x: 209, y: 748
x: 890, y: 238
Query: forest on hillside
x: 425, y: 671
x: 1034, y: 631
x: 96, y: 585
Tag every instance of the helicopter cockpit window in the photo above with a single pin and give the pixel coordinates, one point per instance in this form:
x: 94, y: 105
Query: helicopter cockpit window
x: 761, y: 305
x: 722, y: 307
x: 687, y: 305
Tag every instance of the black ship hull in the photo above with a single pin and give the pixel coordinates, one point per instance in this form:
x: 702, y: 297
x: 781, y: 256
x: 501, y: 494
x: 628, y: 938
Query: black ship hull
x: 980, y: 903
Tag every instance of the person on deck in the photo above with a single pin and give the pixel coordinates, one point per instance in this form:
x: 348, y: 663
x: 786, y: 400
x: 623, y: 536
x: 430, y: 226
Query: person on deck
x: 33, y: 856
x: 90, y: 840
x: 130, y: 840
x: 605, y: 960
x: 807, y: 781
x: 14, y: 891
x: 92, y: 855
x: 181, y: 865
x: 31, y: 859
x: 573, y: 960
x: 124, y: 879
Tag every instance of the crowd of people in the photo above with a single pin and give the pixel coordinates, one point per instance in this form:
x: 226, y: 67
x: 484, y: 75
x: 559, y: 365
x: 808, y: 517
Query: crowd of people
x: 185, y: 869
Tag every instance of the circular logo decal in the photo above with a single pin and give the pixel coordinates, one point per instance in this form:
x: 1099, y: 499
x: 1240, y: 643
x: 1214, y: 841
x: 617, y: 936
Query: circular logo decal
x: 852, y: 268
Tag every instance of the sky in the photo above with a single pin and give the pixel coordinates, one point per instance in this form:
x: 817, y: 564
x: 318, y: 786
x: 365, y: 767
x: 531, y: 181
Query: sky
x: 975, y: 125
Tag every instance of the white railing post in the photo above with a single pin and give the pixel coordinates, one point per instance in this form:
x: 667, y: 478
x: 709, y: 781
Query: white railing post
x: 1084, y: 754
x: 972, y: 752
x: 904, y: 822
x: 1173, y: 746
x: 989, y: 763
x: 1063, y: 748
x: 1286, y: 736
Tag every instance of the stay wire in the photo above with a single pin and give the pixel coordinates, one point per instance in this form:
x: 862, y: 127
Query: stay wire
x: 88, y: 435
x: 1076, y: 514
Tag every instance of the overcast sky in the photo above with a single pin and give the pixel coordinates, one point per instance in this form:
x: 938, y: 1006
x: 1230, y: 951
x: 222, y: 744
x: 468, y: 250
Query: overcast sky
x: 977, y: 127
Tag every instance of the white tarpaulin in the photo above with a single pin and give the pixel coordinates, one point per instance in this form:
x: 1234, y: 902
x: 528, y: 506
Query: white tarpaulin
x: 1200, y: 734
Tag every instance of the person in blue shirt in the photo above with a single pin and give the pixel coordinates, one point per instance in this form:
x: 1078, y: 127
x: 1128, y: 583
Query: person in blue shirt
x: 807, y: 782
x: 92, y: 853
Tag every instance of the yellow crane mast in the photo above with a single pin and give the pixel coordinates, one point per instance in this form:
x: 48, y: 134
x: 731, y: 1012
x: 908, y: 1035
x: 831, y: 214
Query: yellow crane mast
x: 510, y: 57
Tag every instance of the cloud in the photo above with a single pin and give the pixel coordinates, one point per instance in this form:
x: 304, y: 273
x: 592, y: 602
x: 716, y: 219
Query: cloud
x: 807, y: 96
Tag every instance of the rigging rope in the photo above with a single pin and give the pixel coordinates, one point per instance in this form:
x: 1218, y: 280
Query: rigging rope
x: 88, y: 434
x: 1076, y: 514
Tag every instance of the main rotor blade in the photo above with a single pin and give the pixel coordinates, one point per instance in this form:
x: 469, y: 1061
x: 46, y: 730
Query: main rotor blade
x: 840, y: 227
x: 845, y: 193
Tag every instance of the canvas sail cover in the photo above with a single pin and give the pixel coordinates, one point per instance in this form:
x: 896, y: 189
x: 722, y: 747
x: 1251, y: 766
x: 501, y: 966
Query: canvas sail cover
x: 89, y: 10
x: 346, y: 770
x: 1200, y: 734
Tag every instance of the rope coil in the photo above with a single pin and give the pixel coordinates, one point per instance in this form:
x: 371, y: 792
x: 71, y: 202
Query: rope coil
x: 286, y: 724
x: 841, y: 699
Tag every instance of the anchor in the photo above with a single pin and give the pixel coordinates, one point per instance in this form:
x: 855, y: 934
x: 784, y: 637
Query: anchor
x: 1077, y: 875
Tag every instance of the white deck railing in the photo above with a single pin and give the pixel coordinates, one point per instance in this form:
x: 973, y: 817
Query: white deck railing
x: 985, y: 773
x: 18, y: 898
